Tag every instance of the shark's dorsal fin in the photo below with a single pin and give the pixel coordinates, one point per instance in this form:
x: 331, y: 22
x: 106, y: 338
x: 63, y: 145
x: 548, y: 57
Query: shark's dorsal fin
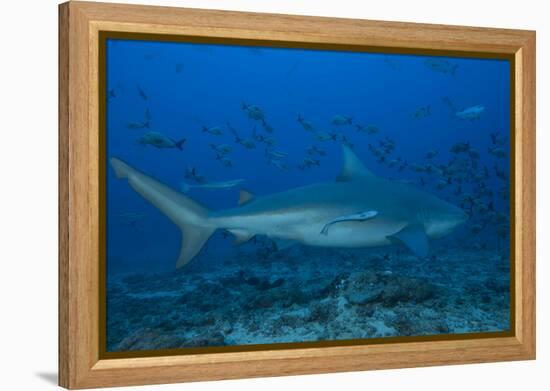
x: 414, y: 237
x: 352, y: 167
x: 245, y: 197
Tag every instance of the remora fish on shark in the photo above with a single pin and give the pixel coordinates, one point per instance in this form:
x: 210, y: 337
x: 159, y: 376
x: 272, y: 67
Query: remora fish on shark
x: 404, y: 214
x: 361, y: 216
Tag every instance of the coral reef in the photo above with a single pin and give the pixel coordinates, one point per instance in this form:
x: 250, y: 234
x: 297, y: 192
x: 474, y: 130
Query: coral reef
x: 304, y: 294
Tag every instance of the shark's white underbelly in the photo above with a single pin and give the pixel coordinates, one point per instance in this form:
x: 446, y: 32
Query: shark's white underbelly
x: 305, y: 227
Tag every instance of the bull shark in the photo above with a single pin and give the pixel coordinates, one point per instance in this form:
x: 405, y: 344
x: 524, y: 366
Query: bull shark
x: 397, y: 213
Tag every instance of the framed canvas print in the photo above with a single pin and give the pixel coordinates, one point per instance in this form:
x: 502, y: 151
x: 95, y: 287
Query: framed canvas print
x: 249, y: 195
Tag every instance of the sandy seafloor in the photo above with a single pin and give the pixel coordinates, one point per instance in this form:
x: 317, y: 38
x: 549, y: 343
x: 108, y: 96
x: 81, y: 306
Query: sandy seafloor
x: 309, y: 294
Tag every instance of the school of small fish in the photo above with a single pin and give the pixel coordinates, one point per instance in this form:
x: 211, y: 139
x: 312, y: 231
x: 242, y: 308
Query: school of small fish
x: 460, y: 176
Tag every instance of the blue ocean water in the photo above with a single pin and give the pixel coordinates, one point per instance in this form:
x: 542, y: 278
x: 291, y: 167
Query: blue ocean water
x: 276, y: 118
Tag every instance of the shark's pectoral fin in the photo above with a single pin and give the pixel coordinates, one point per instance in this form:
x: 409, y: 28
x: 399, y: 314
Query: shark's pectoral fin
x: 284, y: 243
x: 241, y: 236
x: 414, y: 237
x: 352, y: 167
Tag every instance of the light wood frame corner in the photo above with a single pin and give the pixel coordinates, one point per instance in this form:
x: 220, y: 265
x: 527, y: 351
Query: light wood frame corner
x: 80, y: 365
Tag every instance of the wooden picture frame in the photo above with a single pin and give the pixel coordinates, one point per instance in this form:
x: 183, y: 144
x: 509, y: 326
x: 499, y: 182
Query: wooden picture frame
x: 80, y: 25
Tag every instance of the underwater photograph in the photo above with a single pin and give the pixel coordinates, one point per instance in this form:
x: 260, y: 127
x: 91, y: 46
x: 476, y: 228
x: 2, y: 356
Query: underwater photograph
x: 273, y: 195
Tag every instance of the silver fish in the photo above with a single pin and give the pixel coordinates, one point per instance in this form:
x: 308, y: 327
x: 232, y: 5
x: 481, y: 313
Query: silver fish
x: 185, y: 187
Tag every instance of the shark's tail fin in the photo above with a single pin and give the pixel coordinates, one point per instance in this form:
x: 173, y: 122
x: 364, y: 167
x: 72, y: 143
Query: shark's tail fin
x: 121, y: 168
x: 188, y: 215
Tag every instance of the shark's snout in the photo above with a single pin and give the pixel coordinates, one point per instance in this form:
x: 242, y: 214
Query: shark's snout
x: 453, y: 220
x: 457, y: 218
x: 445, y: 222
